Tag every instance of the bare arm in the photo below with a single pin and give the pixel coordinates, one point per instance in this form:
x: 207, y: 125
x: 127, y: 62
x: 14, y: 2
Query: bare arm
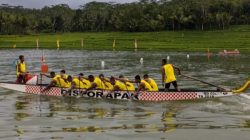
x: 163, y: 74
x: 125, y: 80
x: 177, y: 68
x: 93, y: 86
x: 141, y: 87
x: 116, y: 88
x: 105, y: 80
x: 52, y: 84
x: 73, y: 85
x: 19, y: 67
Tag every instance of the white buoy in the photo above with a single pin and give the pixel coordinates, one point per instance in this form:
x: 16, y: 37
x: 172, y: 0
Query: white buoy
x: 102, y: 64
x: 168, y: 58
x: 141, y: 61
x: 187, y: 56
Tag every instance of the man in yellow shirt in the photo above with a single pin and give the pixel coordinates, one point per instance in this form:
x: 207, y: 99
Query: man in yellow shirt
x: 129, y: 84
x: 63, y: 74
x: 21, y: 70
x: 57, y: 81
x: 151, y: 82
x: 143, y: 85
x: 118, y: 85
x: 168, y: 76
x: 99, y: 83
x: 80, y: 82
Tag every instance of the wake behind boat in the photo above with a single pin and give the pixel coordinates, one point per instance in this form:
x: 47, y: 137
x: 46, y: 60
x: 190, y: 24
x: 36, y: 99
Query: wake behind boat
x: 124, y: 95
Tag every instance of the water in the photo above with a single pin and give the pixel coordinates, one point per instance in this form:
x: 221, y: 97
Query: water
x: 25, y: 116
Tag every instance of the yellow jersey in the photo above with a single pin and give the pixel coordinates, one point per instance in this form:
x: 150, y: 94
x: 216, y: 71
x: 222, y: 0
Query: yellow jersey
x: 120, y: 85
x: 20, y: 66
x: 81, y: 83
x: 86, y: 83
x: 64, y: 76
x: 102, y: 84
x: 98, y: 82
x: 130, y: 86
x: 60, y: 82
x: 153, y: 84
x: 169, y: 73
x: 78, y: 83
x: 147, y: 85
x: 108, y: 86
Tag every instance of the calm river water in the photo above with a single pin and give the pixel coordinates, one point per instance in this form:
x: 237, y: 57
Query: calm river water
x: 27, y: 117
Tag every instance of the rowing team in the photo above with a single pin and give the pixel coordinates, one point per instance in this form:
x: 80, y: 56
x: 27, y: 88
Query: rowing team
x: 100, y: 82
x: 120, y: 83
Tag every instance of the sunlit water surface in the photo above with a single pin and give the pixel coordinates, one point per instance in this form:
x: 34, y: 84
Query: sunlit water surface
x: 24, y: 116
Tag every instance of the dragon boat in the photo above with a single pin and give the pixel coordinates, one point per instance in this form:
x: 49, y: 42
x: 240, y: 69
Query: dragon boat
x: 160, y: 95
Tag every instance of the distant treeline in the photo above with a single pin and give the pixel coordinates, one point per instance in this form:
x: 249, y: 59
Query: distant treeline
x: 142, y: 16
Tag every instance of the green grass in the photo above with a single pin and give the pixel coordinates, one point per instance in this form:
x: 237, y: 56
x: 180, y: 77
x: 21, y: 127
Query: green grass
x: 237, y: 37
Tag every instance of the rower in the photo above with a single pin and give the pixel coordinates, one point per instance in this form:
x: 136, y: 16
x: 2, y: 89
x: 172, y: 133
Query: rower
x: 80, y: 82
x: 68, y: 82
x: 99, y: 83
x: 168, y: 76
x: 105, y: 83
x: 63, y: 74
x: 129, y: 84
x: 151, y: 82
x: 57, y: 81
x: 117, y: 85
x: 51, y: 75
x: 143, y: 85
x: 21, y: 70
x: 95, y: 82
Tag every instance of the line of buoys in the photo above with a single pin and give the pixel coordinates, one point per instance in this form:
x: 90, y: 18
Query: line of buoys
x: 81, y: 44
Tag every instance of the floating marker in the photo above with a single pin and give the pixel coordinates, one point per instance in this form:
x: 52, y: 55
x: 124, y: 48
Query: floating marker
x: 37, y: 43
x: 14, y: 46
x: 168, y: 57
x: 187, y: 56
x: 208, y: 54
x: 135, y: 43
x: 102, y: 64
x: 114, y: 44
x: 58, y: 44
x: 141, y: 61
x: 82, y: 43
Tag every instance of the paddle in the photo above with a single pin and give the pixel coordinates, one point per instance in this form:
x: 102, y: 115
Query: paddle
x: 202, y: 81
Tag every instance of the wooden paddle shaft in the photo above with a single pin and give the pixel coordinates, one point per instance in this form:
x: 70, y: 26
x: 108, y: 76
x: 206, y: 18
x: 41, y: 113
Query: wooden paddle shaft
x: 202, y: 81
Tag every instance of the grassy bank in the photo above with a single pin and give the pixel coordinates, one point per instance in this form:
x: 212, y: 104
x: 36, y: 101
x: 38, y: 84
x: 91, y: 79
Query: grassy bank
x: 237, y: 37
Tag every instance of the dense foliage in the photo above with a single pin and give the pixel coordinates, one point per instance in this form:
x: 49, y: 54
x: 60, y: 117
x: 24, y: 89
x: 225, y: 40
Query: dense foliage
x: 146, y: 15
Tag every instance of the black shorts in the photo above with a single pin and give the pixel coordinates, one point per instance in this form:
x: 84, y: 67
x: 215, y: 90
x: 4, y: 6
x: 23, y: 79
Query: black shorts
x: 167, y: 85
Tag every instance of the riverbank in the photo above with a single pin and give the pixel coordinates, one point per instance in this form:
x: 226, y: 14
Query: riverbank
x: 237, y: 37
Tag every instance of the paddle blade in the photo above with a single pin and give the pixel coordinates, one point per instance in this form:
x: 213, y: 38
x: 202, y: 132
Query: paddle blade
x: 44, y: 68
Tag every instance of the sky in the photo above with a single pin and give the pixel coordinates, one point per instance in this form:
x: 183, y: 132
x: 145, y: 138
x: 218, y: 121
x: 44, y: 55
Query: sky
x: 41, y: 3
